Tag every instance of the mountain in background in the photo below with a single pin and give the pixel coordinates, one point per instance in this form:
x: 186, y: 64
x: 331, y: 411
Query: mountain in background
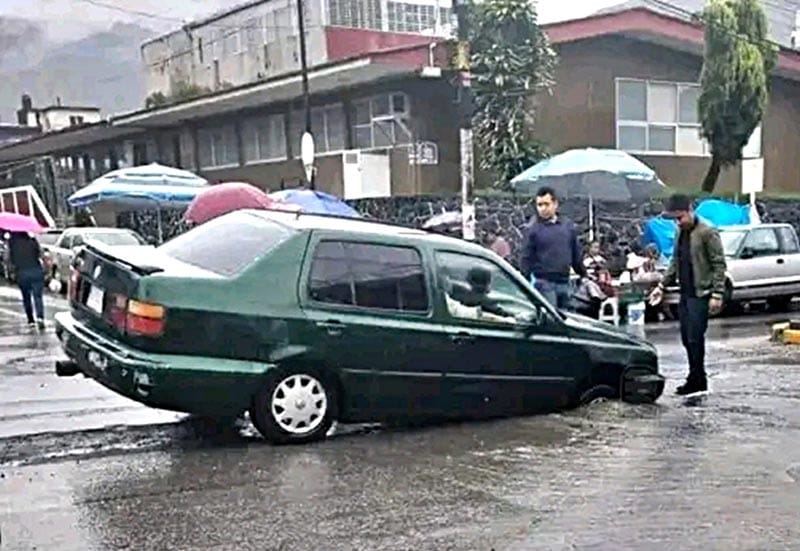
x: 102, y: 69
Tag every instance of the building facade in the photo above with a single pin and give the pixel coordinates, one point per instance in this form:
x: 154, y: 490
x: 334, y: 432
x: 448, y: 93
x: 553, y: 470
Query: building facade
x: 259, y: 39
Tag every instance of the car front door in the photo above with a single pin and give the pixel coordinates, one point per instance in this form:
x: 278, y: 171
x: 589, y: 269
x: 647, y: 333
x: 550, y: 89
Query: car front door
x: 371, y: 306
x: 510, y: 354
x: 789, y: 269
x: 760, y: 264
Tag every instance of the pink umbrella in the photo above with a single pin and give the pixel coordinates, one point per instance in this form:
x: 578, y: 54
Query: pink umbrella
x: 13, y: 222
x: 227, y: 197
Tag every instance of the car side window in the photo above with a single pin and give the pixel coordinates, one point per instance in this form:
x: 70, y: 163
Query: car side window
x: 77, y: 240
x: 478, y: 289
x: 789, y: 242
x: 762, y: 242
x: 366, y: 275
x: 65, y: 242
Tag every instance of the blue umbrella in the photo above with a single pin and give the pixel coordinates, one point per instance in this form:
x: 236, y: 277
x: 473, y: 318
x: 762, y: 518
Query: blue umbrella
x: 605, y: 174
x: 141, y: 186
x: 315, y: 202
x: 145, y: 186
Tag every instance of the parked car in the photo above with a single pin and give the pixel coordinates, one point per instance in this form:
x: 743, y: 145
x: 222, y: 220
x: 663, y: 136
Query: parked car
x: 60, y: 254
x: 45, y: 239
x: 763, y: 263
x: 305, y: 319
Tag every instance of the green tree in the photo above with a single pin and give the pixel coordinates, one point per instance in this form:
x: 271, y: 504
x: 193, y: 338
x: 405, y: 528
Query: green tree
x: 737, y: 64
x: 511, y: 62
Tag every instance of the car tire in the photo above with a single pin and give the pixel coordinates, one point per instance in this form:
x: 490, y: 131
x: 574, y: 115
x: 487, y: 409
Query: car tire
x: 598, y: 392
x: 298, y: 391
x: 780, y: 304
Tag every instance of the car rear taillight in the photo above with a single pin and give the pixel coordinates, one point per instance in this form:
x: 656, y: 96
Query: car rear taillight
x: 144, y: 319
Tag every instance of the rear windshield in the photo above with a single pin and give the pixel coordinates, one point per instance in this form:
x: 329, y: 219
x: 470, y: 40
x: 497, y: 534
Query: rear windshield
x: 227, y: 245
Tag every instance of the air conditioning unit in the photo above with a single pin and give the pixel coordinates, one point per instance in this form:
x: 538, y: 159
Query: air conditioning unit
x: 366, y: 174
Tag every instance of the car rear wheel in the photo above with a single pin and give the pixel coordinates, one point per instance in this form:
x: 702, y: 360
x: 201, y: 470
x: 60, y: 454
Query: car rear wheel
x: 295, y: 406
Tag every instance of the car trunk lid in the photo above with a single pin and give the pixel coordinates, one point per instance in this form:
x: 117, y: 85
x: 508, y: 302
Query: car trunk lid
x: 107, y: 288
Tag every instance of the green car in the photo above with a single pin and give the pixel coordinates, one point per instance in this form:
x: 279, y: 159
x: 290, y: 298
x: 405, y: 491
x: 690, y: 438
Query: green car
x: 303, y: 320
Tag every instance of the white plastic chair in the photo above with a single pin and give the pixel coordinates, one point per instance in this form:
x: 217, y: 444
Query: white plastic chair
x: 611, y: 303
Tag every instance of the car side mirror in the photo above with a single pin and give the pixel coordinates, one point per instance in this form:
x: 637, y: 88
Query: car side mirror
x: 532, y: 321
x: 747, y: 252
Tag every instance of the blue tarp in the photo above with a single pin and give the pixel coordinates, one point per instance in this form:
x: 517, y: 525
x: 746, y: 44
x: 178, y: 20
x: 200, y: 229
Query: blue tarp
x: 716, y: 212
x: 723, y: 213
x: 661, y: 232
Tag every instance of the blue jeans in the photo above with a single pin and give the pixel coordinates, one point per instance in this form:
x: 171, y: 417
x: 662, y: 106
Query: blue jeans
x: 556, y: 293
x: 31, y: 283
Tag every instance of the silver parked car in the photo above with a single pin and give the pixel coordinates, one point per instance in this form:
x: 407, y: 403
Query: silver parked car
x: 763, y: 264
x: 61, y: 253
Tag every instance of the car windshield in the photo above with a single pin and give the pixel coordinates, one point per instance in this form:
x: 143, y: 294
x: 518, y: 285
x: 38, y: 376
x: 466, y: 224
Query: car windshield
x: 731, y: 241
x: 229, y: 244
x: 114, y: 239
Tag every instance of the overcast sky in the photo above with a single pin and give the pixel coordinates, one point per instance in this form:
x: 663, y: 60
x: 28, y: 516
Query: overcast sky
x: 67, y: 19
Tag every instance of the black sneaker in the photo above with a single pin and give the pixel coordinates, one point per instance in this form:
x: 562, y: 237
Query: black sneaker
x: 692, y: 387
x: 40, y: 325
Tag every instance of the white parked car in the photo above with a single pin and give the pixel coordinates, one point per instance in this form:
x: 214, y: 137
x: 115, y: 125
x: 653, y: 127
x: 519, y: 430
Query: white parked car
x: 62, y: 252
x: 763, y: 264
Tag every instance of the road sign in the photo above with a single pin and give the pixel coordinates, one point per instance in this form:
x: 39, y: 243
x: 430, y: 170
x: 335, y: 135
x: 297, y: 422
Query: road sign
x: 307, y: 154
x: 423, y: 153
x: 753, y: 175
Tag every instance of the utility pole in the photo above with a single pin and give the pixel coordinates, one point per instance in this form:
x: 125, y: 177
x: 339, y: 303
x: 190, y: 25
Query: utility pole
x: 307, y: 142
x: 465, y: 110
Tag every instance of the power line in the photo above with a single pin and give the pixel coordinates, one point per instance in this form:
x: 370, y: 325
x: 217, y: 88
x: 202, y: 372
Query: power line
x: 99, y: 4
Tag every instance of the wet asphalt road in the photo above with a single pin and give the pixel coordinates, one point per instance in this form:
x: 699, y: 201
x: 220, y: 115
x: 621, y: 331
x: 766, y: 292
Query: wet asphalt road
x: 104, y: 473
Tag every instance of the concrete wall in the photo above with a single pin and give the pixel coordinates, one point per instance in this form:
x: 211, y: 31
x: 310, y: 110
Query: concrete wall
x: 53, y: 120
x: 232, y: 48
x: 432, y: 119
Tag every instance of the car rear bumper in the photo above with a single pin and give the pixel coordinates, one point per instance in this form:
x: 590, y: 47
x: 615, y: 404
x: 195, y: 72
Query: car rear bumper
x: 192, y: 384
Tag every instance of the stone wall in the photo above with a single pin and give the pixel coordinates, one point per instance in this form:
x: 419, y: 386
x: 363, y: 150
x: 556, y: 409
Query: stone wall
x: 618, y: 225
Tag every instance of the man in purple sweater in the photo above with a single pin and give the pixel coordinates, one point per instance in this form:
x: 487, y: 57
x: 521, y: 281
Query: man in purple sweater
x: 550, y: 249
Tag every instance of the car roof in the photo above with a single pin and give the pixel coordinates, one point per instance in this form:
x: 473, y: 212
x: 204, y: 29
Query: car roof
x: 741, y: 227
x: 310, y: 222
x: 93, y: 229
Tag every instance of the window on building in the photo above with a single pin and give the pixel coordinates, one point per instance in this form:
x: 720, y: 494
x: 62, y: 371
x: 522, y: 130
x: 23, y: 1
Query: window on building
x: 662, y: 118
x: 75, y: 120
x: 381, y: 121
x: 416, y: 18
x: 327, y: 126
x: 368, y: 276
x: 264, y: 139
x: 360, y: 14
x: 217, y: 147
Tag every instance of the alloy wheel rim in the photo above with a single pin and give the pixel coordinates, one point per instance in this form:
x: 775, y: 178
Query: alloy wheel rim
x: 299, y: 404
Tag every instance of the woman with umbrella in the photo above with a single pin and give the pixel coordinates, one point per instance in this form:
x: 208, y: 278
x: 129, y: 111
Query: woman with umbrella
x: 25, y: 257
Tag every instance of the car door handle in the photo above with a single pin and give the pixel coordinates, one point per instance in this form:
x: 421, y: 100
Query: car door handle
x: 334, y: 328
x: 780, y: 261
x: 462, y: 338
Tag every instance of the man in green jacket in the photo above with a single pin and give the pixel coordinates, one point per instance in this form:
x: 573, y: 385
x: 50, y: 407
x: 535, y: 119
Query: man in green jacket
x: 698, y: 266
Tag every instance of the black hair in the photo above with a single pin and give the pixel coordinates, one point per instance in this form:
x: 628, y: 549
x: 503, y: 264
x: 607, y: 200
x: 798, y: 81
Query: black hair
x: 479, y: 277
x: 678, y: 201
x: 546, y: 190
